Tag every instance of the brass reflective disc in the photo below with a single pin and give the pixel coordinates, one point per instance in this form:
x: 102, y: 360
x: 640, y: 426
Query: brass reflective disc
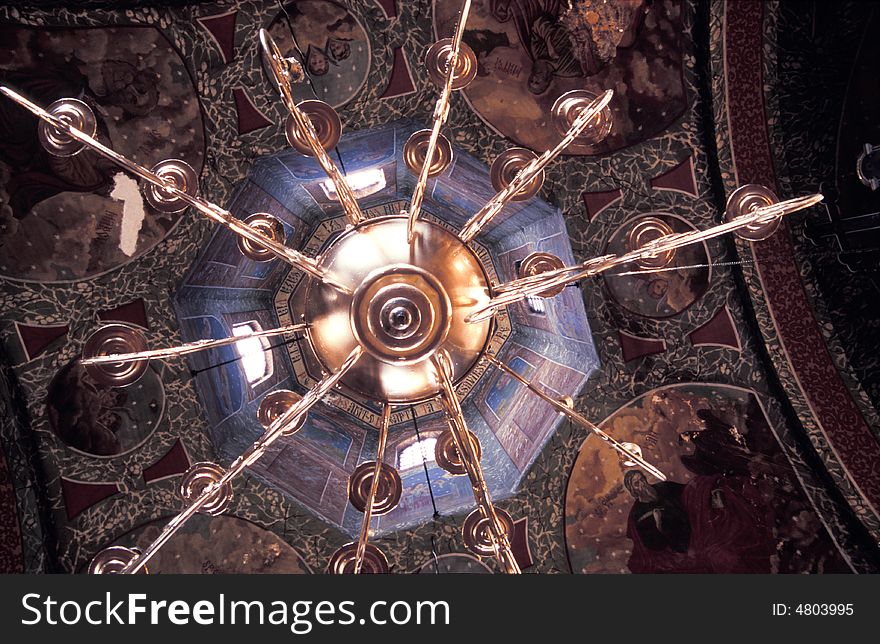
x: 465, y: 65
x: 416, y: 149
x: 326, y: 122
x: 275, y: 404
x: 566, y: 109
x: 267, y: 225
x: 342, y: 561
x: 408, y: 303
x: 115, y: 339
x: 505, y: 167
x: 113, y: 560
x: 182, y: 175
x: 477, y: 537
x: 446, y: 453
x: 538, y: 263
x: 76, y: 114
x: 197, y: 478
x: 400, y: 314
x: 645, y: 230
x: 387, y: 494
x: 745, y: 200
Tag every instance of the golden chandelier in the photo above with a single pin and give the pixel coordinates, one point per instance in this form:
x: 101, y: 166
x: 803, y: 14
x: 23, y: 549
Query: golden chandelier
x: 398, y: 310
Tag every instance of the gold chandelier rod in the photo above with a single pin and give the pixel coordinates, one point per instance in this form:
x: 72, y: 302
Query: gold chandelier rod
x: 374, y: 488
x: 461, y: 437
x: 575, y: 417
x: 518, y: 289
x: 476, y: 223
x: 250, y: 456
x: 441, y: 112
x: 189, y: 347
x: 285, y: 72
x: 210, y: 210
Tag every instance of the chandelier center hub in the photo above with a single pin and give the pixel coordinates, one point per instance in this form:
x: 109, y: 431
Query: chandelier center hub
x: 400, y: 314
x: 408, y: 301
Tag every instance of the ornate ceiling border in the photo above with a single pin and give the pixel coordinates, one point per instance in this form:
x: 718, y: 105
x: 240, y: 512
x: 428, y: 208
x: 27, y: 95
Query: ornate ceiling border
x: 835, y: 425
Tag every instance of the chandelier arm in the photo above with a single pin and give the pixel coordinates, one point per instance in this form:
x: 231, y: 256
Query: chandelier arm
x: 189, y: 347
x: 529, y: 171
x: 281, y: 70
x: 519, y: 289
x: 210, y: 210
x: 441, y: 112
x: 461, y: 437
x: 577, y: 418
x: 240, y: 228
x: 541, y: 278
x: 250, y: 456
x: 374, y: 488
x: 237, y: 226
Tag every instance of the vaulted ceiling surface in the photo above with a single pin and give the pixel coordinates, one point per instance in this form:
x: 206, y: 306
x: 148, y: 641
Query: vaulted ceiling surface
x: 682, y: 355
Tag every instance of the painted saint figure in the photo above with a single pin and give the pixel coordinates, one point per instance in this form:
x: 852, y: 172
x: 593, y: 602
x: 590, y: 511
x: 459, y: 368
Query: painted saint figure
x: 570, y: 42
x: 319, y: 59
x: 35, y: 175
x: 713, y: 523
x: 545, y: 39
x: 658, y: 519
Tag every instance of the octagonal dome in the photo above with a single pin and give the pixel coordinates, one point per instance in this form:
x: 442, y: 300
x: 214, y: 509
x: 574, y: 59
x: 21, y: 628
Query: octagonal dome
x: 546, y: 340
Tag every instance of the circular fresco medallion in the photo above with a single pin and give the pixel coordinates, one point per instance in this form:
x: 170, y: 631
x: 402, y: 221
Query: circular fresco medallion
x: 218, y: 545
x: 99, y: 420
x: 530, y: 52
x: 664, y: 291
x: 732, y: 502
x: 331, y: 45
x: 74, y: 217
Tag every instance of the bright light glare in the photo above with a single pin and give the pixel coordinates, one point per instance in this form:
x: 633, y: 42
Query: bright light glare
x: 362, y: 183
x: 252, y: 352
x: 411, y: 456
x: 536, y: 304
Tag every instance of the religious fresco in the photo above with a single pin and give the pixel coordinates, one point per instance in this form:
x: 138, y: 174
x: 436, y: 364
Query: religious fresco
x: 104, y: 421
x: 501, y: 395
x: 520, y: 421
x: 529, y: 52
x: 428, y: 489
x: 220, y: 366
x: 219, y: 545
x: 447, y: 494
x: 68, y: 218
x: 732, y: 502
x: 326, y: 436
x: 542, y: 494
x: 663, y: 293
x: 331, y: 45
